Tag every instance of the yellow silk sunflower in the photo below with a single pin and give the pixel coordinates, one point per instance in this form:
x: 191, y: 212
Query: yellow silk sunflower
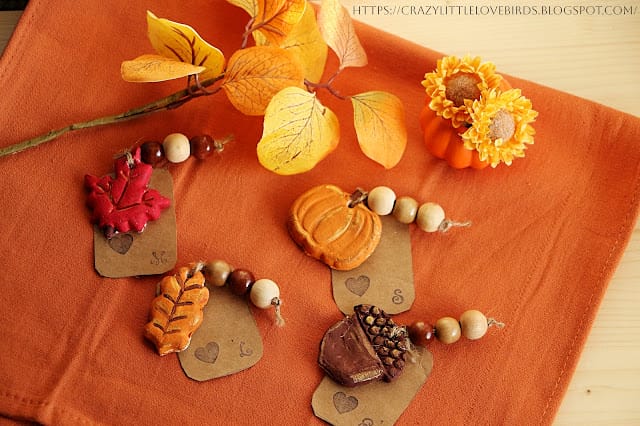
x: 501, y: 127
x: 456, y: 80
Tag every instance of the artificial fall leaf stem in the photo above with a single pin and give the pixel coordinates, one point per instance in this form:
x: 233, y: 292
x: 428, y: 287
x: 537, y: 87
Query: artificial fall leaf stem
x: 169, y: 102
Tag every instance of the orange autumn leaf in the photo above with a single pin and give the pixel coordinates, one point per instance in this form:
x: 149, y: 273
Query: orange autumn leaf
x: 298, y: 132
x: 152, y: 68
x: 182, y: 43
x: 339, y: 32
x: 255, y: 74
x: 177, y: 312
x: 379, y: 120
x: 306, y: 44
x: 273, y: 19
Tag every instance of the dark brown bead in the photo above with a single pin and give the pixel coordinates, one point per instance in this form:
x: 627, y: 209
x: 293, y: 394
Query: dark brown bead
x: 201, y: 146
x: 420, y: 333
x: 240, y: 281
x: 152, y: 153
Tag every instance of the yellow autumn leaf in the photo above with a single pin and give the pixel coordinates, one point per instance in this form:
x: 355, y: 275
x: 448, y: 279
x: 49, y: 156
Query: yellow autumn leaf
x: 273, y: 19
x: 298, y: 132
x: 151, y: 68
x: 339, y: 32
x: 256, y: 74
x: 182, y: 43
x: 379, y: 120
x: 306, y: 44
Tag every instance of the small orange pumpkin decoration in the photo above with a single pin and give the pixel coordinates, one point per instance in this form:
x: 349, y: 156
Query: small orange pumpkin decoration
x: 444, y: 142
x: 461, y: 81
x: 329, y: 227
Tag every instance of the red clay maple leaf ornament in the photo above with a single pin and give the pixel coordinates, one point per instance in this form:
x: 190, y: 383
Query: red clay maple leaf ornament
x: 124, y: 203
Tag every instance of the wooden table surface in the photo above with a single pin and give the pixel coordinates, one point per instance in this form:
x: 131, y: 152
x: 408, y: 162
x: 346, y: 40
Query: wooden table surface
x: 590, y: 52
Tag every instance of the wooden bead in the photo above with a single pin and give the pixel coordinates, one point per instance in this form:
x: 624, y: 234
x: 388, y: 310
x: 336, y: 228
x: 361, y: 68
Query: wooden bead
x: 152, y: 153
x: 176, y: 147
x: 474, y: 324
x: 381, y: 200
x: 216, y: 272
x: 429, y: 217
x: 263, y: 291
x: 420, y: 333
x: 201, y: 146
x: 240, y: 281
x: 447, y: 330
x: 405, y: 210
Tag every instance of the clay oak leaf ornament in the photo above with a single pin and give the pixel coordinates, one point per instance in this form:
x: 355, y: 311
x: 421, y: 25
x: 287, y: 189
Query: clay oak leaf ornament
x: 124, y: 203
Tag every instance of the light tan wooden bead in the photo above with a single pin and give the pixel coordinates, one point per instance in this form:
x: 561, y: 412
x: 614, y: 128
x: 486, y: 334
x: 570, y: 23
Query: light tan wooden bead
x: 176, y: 147
x: 429, y: 217
x: 447, y: 330
x: 381, y: 200
x: 474, y: 324
x: 263, y: 291
x: 216, y: 272
x: 405, y: 210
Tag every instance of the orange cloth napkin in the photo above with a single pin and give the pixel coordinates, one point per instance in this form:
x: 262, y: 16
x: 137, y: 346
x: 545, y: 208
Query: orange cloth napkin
x: 546, y: 237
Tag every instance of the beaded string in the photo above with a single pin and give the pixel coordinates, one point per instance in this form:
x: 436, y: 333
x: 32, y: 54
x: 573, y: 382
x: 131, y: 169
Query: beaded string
x: 177, y: 148
x: 472, y: 324
x: 382, y: 200
x: 263, y: 293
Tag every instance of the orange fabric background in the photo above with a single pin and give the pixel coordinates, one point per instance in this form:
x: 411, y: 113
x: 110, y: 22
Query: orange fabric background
x: 547, y: 234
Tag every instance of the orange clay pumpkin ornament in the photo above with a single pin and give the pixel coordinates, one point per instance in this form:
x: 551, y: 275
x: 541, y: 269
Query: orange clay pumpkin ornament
x: 334, y: 227
x: 342, y: 230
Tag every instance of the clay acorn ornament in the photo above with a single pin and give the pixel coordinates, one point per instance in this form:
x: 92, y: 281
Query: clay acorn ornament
x: 364, y: 347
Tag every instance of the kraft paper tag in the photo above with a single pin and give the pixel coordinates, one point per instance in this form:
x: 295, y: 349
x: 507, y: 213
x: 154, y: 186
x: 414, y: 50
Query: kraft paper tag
x: 150, y: 252
x: 228, y: 340
x: 385, y: 279
x: 378, y: 403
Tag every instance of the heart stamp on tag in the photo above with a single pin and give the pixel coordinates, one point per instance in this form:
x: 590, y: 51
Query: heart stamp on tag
x: 377, y: 403
x: 217, y: 351
x: 121, y: 243
x: 344, y: 403
x: 208, y: 353
x: 359, y: 285
x: 385, y: 279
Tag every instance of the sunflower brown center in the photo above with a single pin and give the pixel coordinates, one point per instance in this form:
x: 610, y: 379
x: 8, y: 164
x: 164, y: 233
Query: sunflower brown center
x: 502, y: 126
x: 462, y: 86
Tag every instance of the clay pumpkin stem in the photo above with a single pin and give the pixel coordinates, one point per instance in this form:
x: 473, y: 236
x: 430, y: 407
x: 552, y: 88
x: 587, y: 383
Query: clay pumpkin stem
x: 358, y: 196
x: 172, y: 101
